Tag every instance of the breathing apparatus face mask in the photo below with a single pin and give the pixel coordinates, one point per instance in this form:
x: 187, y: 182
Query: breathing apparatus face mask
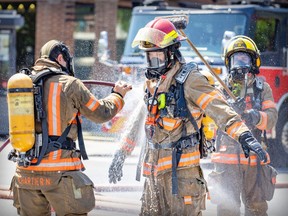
x: 240, y: 64
x: 69, y: 60
x: 158, y: 63
x: 58, y: 49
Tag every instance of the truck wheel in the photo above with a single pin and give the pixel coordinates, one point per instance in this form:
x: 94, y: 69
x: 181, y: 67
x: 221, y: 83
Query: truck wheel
x: 278, y: 148
x: 282, y: 129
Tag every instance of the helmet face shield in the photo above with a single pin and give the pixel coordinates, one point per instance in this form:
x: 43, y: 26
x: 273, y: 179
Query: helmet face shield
x: 149, y: 39
x: 240, y: 59
x: 155, y: 59
x: 157, y: 63
x: 240, y: 64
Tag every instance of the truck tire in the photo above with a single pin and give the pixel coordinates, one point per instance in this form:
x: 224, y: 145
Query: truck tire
x: 279, y: 151
x: 282, y: 130
x: 278, y: 148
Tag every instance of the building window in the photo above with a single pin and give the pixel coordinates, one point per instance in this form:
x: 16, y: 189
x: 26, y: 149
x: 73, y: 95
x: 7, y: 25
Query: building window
x: 265, y: 34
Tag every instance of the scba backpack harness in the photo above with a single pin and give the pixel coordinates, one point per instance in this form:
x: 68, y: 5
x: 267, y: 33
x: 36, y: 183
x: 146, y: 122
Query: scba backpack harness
x: 181, y: 111
x: 25, y: 98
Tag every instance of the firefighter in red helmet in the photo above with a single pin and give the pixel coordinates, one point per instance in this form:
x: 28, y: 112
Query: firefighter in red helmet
x: 236, y: 176
x: 176, y: 98
x: 50, y: 173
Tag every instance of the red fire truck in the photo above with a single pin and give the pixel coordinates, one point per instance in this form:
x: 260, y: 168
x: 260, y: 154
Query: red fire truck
x: 209, y: 28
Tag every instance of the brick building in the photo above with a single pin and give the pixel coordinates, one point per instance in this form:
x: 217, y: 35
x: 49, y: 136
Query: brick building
x: 67, y: 20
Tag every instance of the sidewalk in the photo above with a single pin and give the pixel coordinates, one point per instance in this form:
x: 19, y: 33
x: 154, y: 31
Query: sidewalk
x: 106, y: 146
x: 123, y: 199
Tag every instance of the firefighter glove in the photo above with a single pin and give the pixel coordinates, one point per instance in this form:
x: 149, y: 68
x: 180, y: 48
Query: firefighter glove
x: 239, y: 105
x: 116, y: 167
x: 249, y: 143
x: 251, y: 117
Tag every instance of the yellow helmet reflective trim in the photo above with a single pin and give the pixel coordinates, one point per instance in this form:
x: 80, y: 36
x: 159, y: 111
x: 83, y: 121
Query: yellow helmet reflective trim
x: 242, y: 43
x: 149, y: 37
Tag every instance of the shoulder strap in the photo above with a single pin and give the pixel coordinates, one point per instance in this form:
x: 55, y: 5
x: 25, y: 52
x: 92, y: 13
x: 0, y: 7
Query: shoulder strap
x: 181, y: 102
x: 259, y: 84
x: 38, y: 81
x: 45, y: 74
x: 184, y: 72
x: 81, y: 140
x: 258, y: 88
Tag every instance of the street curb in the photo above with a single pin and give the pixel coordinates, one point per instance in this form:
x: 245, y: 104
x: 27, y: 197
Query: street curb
x: 117, y: 188
x: 98, y: 138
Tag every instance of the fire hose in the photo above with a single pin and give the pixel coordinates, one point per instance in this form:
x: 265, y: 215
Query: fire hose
x: 98, y: 82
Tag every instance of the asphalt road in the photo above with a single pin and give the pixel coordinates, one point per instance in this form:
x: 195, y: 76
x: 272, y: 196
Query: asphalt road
x: 124, y: 197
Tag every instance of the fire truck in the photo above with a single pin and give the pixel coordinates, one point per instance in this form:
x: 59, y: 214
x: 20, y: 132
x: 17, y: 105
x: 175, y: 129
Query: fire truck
x: 209, y: 28
x: 10, y: 21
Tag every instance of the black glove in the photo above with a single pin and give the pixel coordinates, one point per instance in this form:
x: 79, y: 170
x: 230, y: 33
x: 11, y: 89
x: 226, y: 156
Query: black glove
x: 115, y: 169
x: 239, y: 105
x: 248, y: 142
x: 251, y: 117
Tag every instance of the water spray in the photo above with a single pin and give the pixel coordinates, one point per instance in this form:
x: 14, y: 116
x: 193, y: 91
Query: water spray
x: 180, y: 22
x: 86, y: 82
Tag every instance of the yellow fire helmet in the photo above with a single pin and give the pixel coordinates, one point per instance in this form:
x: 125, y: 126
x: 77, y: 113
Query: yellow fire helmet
x: 241, y: 43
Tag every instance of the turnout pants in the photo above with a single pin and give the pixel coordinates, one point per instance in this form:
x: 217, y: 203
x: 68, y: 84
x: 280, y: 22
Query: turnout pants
x: 69, y: 193
x: 157, y: 198
x: 231, y: 182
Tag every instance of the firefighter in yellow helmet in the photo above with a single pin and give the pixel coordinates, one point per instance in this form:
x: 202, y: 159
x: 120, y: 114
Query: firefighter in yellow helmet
x: 236, y: 176
x: 177, y: 96
x: 54, y: 175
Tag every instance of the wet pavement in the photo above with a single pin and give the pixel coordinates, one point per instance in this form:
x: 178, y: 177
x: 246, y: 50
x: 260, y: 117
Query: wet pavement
x: 123, y: 198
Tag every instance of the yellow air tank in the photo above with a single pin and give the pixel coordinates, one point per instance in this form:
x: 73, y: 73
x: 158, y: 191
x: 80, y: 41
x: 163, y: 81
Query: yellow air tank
x: 209, y: 128
x: 20, y: 99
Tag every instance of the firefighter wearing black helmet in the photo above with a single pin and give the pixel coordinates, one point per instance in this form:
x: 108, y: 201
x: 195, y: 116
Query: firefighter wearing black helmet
x: 177, y: 96
x: 236, y: 176
x: 54, y: 177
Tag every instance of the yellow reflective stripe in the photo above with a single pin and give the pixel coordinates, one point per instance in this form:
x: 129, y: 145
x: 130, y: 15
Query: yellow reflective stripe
x: 187, y: 200
x: 233, y: 159
x: 169, y: 37
x: 189, y: 159
x: 54, y: 118
x: 54, y: 155
x: 196, y: 113
x: 205, y: 99
x: 225, y: 158
x: 185, y: 160
x: 118, y: 101
x: 164, y: 163
x: 169, y: 123
x: 234, y: 128
x: 262, y: 125
x: 268, y: 104
x: 57, y: 165
x: 73, y: 118
x: 92, y: 104
x: 253, y: 160
x: 147, y: 169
